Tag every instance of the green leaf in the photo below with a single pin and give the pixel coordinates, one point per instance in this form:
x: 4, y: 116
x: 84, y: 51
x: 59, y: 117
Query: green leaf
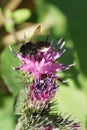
x: 7, y: 121
x: 21, y: 15
x: 9, y: 24
x: 20, y: 102
x: 10, y: 76
x: 73, y: 102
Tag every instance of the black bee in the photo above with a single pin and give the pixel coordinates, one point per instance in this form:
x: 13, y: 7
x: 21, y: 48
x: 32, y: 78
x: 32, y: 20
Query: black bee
x: 32, y: 47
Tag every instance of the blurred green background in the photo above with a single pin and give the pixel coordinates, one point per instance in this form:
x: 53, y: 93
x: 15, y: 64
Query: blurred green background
x: 61, y: 18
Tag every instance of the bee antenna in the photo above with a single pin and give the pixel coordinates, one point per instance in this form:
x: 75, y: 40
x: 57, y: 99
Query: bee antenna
x: 47, y: 37
x: 25, y: 38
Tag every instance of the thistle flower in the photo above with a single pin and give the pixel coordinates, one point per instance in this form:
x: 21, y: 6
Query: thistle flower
x: 43, y: 67
x: 43, y: 90
x: 45, y: 61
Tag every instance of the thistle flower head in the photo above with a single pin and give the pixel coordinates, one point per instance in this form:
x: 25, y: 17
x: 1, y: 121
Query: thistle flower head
x: 44, y: 63
x: 43, y: 67
x: 43, y: 90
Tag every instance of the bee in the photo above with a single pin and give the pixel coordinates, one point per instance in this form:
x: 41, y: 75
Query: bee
x: 31, y: 47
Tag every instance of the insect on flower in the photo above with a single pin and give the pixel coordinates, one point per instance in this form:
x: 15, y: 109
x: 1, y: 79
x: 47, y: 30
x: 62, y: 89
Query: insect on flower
x: 37, y: 62
x: 30, y: 47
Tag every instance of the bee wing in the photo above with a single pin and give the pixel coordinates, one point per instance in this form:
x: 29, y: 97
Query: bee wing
x: 36, y: 32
